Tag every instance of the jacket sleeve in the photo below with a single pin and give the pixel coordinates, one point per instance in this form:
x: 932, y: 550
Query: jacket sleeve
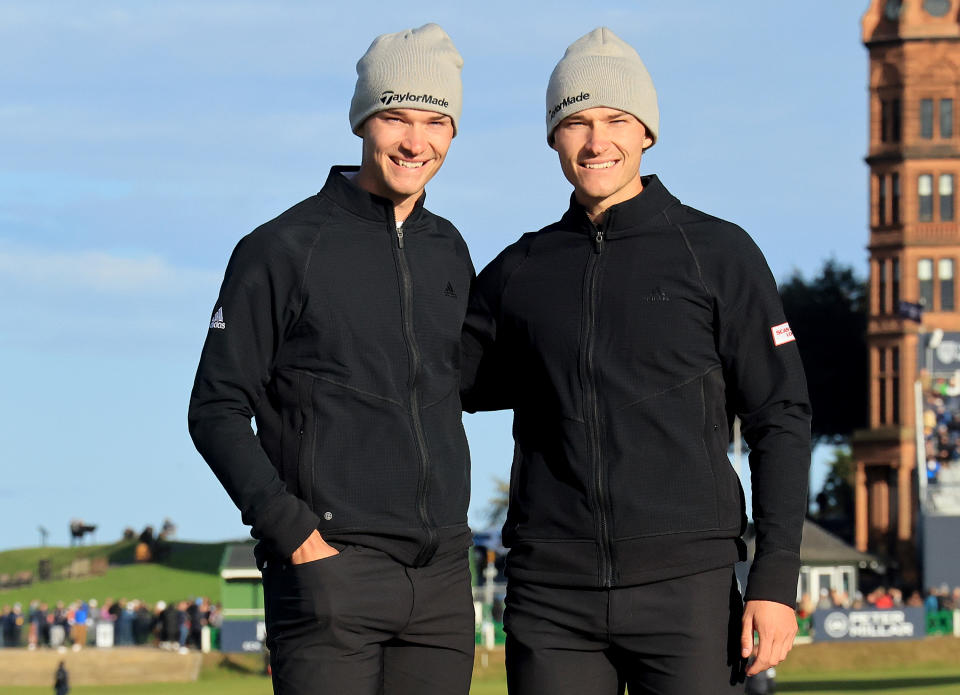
x: 484, y: 370
x: 258, y: 303
x: 766, y: 387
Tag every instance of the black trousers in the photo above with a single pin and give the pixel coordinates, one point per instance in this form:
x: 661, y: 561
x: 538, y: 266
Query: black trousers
x: 676, y: 637
x: 362, y: 623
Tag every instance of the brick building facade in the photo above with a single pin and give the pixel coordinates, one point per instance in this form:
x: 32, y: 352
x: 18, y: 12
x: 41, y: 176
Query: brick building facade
x: 914, y: 161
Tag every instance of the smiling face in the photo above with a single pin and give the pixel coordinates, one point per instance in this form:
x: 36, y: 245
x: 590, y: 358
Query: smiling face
x: 402, y: 150
x: 600, y: 151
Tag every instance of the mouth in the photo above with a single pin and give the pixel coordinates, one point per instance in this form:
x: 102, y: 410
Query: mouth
x: 599, y: 165
x: 406, y: 163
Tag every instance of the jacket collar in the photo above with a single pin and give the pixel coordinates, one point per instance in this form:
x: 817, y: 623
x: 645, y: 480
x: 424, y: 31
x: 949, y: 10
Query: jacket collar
x: 369, y: 206
x: 624, y: 219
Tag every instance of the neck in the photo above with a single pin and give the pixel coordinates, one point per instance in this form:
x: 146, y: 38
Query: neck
x: 402, y: 209
x: 402, y: 204
x: 596, y: 208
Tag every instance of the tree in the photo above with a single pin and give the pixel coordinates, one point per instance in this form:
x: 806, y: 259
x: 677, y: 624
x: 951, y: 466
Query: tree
x: 828, y: 315
x: 835, y: 501
x: 497, y: 505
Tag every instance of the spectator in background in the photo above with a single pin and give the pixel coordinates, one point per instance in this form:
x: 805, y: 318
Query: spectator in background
x: 143, y: 623
x: 78, y: 629
x: 882, y: 600
x: 169, y: 625
x: 193, y: 624
x: 806, y: 606
x: 915, y: 600
x: 59, y: 619
x: 183, y: 625
x: 123, y: 628
x: 824, y: 602
x: 61, y: 681
x: 12, y: 625
x: 46, y: 617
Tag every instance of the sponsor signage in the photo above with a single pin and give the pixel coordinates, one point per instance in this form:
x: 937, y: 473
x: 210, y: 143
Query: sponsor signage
x: 837, y: 625
x: 242, y: 636
x: 944, y: 358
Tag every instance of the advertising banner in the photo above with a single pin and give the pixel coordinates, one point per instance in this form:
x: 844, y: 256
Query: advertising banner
x: 835, y: 625
x: 242, y: 636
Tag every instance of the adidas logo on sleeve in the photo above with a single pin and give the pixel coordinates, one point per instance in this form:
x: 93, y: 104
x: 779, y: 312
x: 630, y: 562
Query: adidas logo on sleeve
x: 217, y: 320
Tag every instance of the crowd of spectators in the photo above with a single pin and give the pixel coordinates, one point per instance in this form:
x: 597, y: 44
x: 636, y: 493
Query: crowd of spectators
x: 941, y: 429
x: 174, y: 626
x: 882, y: 598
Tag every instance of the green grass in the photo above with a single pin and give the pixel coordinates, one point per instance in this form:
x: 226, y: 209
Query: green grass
x: 189, y: 570
x: 28, y: 558
x: 914, y: 681
x: 906, y: 681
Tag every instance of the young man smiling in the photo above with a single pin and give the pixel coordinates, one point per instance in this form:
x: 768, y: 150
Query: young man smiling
x: 626, y: 337
x: 338, y: 328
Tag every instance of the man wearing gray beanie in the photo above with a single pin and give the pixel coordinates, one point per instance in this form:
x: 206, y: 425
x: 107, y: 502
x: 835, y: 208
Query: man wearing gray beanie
x: 626, y: 337
x: 338, y: 329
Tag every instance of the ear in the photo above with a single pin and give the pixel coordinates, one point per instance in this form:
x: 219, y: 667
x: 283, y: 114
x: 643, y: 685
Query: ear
x: 647, y: 141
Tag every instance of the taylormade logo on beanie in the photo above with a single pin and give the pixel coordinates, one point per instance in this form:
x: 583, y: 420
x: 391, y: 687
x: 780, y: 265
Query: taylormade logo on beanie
x: 411, y: 69
x: 601, y: 69
x: 568, y: 101
x: 394, y: 100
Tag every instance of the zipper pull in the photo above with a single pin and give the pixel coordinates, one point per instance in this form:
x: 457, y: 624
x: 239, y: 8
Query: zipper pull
x: 598, y: 242
x: 400, y: 236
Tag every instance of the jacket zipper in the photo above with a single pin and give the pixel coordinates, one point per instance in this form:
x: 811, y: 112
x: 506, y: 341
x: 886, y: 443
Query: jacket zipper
x: 593, y: 415
x: 413, y: 351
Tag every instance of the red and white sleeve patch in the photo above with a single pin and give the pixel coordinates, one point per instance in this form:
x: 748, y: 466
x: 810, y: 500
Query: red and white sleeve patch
x: 782, y: 334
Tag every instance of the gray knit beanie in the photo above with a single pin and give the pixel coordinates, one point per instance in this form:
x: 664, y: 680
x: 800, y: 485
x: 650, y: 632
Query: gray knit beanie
x: 412, y: 69
x: 601, y: 69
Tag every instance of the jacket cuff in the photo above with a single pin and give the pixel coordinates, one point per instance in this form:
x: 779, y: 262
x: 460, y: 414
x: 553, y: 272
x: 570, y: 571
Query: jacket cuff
x: 285, y: 525
x: 774, y: 578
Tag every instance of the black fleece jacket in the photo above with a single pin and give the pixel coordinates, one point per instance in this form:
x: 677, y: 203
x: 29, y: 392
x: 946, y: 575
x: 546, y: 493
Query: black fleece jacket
x: 341, y: 337
x: 625, y: 350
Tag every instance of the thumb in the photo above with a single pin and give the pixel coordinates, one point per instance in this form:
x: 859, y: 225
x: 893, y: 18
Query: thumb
x: 746, y: 636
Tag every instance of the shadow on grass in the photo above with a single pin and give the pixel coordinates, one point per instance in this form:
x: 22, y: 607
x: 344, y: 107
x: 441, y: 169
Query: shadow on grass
x: 246, y: 667
x: 893, y: 685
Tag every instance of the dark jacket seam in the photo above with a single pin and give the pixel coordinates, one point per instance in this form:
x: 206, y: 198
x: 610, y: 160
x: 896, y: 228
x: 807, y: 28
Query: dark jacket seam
x: 347, y: 387
x: 669, y: 389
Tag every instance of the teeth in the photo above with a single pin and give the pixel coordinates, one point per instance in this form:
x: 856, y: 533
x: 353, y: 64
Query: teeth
x: 408, y: 165
x: 603, y: 165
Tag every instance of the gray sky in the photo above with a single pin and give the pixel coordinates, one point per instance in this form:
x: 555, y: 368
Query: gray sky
x: 140, y: 141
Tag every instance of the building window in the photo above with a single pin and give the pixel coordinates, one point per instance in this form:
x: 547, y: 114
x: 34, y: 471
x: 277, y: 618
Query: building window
x: 895, y: 121
x: 925, y: 197
x: 881, y: 200
x: 895, y: 385
x: 895, y: 198
x: 925, y: 276
x: 895, y: 281
x: 946, y: 118
x: 884, y: 121
x: 945, y: 275
x: 890, y: 120
x: 945, y: 189
x: 926, y: 118
x: 882, y: 287
x: 882, y: 385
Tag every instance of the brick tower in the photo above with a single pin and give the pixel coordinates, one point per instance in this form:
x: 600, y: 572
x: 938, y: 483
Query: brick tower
x: 914, y: 160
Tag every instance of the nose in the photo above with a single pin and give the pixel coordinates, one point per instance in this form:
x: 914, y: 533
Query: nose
x: 598, y: 141
x: 414, y: 139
